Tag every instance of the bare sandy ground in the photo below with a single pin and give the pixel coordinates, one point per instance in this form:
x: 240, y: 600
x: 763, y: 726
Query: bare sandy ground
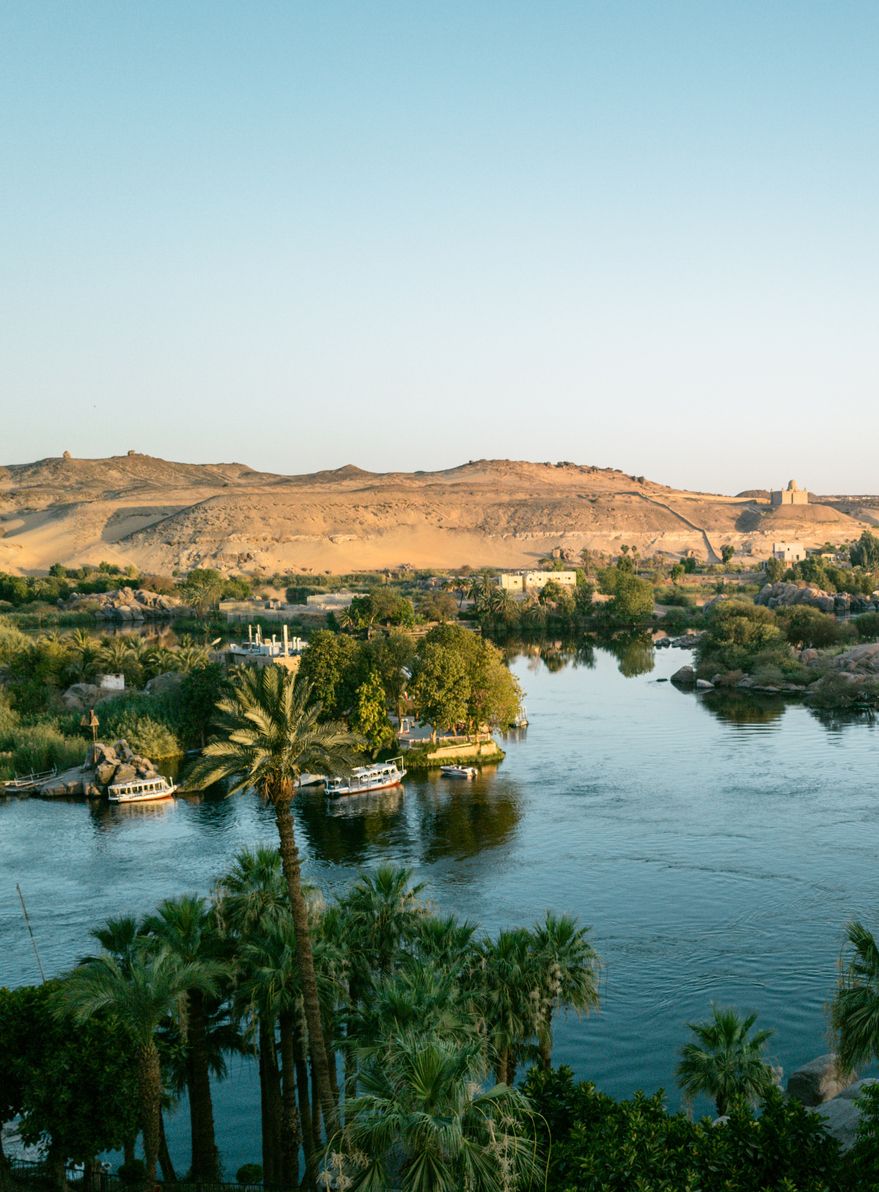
x: 162, y: 515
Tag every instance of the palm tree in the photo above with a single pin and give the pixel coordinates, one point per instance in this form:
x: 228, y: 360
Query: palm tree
x: 726, y: 1061
x: 510, y: 996
x: 382, y: 909
x: 269, y: 733
x: 187, y: 928
x: 249, y: 899
x: 425, y: 1123
x: 270, y: 982
x: 569, y: 966
x: 139, y: 995
x: 855, y: 1009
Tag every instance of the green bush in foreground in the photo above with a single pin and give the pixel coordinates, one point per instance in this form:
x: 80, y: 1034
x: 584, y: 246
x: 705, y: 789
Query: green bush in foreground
x: 602, y: 1145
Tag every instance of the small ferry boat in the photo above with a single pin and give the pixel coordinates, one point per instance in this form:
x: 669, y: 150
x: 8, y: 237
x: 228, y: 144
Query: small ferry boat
x: 141, y: 790
x: 459, y: 771
x: 365, y: 779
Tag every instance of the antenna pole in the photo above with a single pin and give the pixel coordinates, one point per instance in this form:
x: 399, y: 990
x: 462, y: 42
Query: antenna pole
x: 30, y: 932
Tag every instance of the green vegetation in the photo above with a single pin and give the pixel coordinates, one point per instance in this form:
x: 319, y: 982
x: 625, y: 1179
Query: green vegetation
x: 726, y: 1062
x: 597, y: 1144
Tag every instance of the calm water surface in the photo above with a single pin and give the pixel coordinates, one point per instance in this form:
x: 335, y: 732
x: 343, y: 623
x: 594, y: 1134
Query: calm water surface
x: 717, y: 852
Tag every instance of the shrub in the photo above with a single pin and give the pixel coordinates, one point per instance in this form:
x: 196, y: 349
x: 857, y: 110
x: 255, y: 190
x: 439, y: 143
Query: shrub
x: 867, y: 626
x: 39, y: 747
x: 150, y: 737
x: 249, y: 1173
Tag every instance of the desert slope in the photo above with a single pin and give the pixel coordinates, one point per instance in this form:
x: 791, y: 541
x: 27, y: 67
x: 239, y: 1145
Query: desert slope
x: 163, y: 515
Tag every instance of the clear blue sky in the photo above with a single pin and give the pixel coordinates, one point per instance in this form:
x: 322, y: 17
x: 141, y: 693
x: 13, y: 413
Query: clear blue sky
x: 404, y: 235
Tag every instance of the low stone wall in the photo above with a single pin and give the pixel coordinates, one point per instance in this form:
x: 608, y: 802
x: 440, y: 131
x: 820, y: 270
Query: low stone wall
x: 469, y: 753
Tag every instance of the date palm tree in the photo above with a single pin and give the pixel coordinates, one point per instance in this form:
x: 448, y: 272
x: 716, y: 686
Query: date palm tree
x: 269, y: 732
x: 139, y: 994
x: 726, y: 1061
x: 855, y: 1009
x: 569, y: 966
x: 425, y: 1123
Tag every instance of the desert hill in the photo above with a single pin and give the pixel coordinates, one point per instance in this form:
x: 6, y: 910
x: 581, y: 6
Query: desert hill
x: 163, y: 515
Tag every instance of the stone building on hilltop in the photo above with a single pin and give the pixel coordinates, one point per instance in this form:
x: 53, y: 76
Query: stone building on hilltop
x: 792, y: 495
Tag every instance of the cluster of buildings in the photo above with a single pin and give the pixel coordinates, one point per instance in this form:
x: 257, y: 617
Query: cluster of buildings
x: 533, y: 581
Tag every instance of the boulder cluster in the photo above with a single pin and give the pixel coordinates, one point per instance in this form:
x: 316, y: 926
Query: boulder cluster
x: 127, y: 604
x: 115, y: 763
x: 786, y: 595
x: 832, y: 1094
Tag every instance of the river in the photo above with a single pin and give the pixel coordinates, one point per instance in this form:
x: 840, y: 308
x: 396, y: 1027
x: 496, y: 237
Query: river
x: 716, y: 848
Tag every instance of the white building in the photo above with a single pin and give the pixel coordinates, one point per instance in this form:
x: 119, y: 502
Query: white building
x: 788, y: 552
x: 533, y: 581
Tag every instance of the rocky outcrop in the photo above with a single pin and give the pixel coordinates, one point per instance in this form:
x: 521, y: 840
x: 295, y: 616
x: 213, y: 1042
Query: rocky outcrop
x: 685, y: 677
x: 118, y: 763
x: 164, y: 683
x: 858, y: 662
x: 842, y: 1115
x: 104, y: 765
x: 80, y: 696
x: 127, y: 604
x: 787, y: 595
x: 818, y: 1081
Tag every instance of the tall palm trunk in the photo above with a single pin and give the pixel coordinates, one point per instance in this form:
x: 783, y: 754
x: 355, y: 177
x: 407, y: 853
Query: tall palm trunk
x: 291, y: 866
x: 545, y: 1043
x: 306, y: 1128
x: 205, y: 1160
x: 270, y: 1102
x: 149, y: 1079
x: 169, y: 1175
x: 289, y: 1123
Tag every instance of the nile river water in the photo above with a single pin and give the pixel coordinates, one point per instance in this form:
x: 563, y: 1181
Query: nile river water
x: 716, y: 849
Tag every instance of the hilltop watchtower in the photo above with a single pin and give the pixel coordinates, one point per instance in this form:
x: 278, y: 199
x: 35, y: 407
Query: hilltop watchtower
x: 792, y: 495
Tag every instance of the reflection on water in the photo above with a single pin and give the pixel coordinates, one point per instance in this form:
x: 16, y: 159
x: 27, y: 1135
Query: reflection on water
x: 717, y: 845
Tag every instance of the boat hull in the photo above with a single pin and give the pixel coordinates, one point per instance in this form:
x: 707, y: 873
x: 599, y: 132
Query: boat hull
x: 348, y: 792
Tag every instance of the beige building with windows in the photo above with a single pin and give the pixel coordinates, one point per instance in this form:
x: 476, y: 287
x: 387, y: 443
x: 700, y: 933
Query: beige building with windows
x: 533, y: 581
x: 788, y: 552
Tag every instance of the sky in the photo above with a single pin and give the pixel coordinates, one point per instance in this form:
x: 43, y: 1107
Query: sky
x: 405, y: 235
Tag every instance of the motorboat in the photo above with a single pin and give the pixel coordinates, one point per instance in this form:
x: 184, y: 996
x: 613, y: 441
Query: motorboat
x: 365, y: 779
x: 141, y: 790
x: 459, y: 771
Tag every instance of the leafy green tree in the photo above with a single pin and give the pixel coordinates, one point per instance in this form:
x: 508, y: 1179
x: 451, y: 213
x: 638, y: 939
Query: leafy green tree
x: 773, y: 569
x: 632, y: 597
x: 726, y: 1061
x: 596, y: 1144
x: 370, y: 716
x: 197, y: 698
x: 437, y: 606
x: 865, y: 552
x: 329, y: 668
x: 440, y: 687
x: 804, y: 626
x: 269, y: 732
x: 73, y: 1087
x: 203, y: 588
x: 727, y: 551
x: 736, y: 634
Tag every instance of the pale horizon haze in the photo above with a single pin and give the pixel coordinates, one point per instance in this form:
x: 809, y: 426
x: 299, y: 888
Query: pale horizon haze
x: 633, y: 235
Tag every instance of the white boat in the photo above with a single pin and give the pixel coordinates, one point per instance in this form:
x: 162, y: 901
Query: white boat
x: 141, y: 790
x: 459, y: 771
x: 365, y: 779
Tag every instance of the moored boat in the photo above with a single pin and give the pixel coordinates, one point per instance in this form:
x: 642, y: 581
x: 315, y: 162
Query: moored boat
x: 459, y: 771
x: 141, y: 790
x: 365, y: 779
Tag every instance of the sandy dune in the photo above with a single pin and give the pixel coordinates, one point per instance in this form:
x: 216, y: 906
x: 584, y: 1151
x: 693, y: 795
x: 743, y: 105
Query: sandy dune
x: 162, y: 515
